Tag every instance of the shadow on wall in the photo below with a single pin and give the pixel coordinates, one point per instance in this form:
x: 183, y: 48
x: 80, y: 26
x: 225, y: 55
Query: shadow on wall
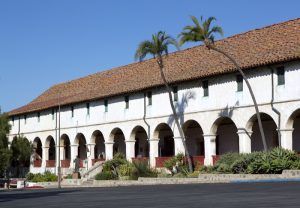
x: 181, y: 105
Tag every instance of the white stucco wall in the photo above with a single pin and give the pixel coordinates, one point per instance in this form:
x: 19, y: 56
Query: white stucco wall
x: 223, y: 101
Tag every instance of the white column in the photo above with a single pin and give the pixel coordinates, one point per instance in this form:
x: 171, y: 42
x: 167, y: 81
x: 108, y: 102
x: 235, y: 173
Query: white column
x: 45, y: 156
x: 209, y: 148
x: 179, y: 147
x: 109, y: 153
x: 91, y: 154
x: 153, y: 143
x: 130, y: 149
x: 244, y: 141
x: 74, y: 153
x: 286, y: 138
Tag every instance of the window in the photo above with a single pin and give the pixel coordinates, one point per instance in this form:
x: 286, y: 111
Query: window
x: 88, y: 109
x: 106, y: 105
x: 205, y: 88
x: 13, y: 120
x: 149, y: 97
x: 175, y: 93
x: 72, y: 111
x: 52, y: 113
x: 239, y: 81
x: 126, y: 102
x: 280, y: 76
x: 39, y: 117
x: 25, y: 119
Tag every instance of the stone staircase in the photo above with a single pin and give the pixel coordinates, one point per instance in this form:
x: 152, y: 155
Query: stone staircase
x: 89, y: 174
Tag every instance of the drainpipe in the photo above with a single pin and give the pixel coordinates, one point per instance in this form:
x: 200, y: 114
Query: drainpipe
x: 19, y: 126
x: 273, y: 108
x: 144, y: 118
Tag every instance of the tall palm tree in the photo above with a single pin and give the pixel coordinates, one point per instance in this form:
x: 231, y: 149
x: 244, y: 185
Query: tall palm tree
x: 203, y: 32
x: 157, y: 47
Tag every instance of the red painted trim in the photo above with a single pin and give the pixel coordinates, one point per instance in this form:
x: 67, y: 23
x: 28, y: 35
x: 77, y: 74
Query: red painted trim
x: 50, y: 163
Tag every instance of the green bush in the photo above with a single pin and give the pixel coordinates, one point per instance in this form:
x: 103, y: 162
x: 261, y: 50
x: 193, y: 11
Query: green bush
x: 179, y: 162
x: 46, y: 177
x: 142, y: 169
x: 106, y: 175
x: 125, y: 169
x: 271, y: 162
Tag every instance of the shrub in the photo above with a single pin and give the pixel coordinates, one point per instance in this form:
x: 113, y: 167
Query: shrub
x: 46, y: 177
x: 142, y: 169
x: 179, y: 162
x: 105, y: 175
x: 125, y: 169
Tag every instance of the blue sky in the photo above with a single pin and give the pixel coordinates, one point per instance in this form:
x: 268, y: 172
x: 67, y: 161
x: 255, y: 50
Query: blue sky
x: 47, y: 42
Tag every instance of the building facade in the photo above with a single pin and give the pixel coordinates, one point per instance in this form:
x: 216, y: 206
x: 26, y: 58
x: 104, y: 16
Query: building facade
x: 127, y: 109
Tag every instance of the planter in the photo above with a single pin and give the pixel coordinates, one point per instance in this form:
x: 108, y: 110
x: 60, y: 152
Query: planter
x: 159, y: 161
x: 65, y: 163
x: 215, y: 158
x: 198, y: 160
x: 37, y: 163
x: 50, y: 163
x: 140, y: 159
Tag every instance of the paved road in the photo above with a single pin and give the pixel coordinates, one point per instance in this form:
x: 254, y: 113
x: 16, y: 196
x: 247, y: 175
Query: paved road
x: 199, y: 195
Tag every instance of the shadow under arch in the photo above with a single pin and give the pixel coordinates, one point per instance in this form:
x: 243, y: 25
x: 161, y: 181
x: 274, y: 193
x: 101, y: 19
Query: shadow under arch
x: 294, y: 123
x: 227, y: 139
x: 99, y: 149
x: 117, y: 136
x: 139, y: 135
x: 270, y: 130
x: 82, y: 148
x: 166, y: 146
x: 194, y: 137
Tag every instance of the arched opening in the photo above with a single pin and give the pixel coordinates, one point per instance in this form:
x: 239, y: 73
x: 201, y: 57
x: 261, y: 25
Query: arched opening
x: 99, y: 149
x: 194, y: 141
x: 50, y: 145
x: 141, y: 142
x: 166, y: 144
x: 66, y: 151
x: 119, y: 141
x: 270, y: 131
x: 227, y: 139
x: 294, y: 122
x: 37, y: 152
x: 82, y: 149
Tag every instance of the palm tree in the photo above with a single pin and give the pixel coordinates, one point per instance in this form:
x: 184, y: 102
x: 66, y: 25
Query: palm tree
x: 158, y: 47
x: 205, y: 33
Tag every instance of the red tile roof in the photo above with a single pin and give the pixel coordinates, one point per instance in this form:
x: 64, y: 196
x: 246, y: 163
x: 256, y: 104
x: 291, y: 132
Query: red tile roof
x: 269, y: 45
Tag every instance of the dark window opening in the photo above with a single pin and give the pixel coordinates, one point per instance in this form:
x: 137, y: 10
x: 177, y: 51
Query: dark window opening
x: 149, y: 97
x: 126, y: 102
x: 106, y: 105
x: 239, y: 81
x: 175, y: 93
x: 205, y: 88
x: 280, y: 76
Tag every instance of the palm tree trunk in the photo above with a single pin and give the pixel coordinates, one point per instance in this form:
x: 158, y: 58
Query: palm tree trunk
x: 161, y: 66
x: 250, y: 90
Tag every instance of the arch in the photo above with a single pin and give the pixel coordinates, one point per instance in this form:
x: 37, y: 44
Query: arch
x: 227, y: 139
x: 270, y: 130
x: 82, y: 149
x: 166, y: 146
x: 141, y: 141
x: 37, y: 147
x: 50, y: 143
x: 117, y: 136
x: 194, y: 137
x: 294, y: 123
x: 65, y: 142
x: 98, y: 140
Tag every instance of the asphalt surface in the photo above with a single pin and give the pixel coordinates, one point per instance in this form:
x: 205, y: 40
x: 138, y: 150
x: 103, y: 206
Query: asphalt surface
x: 200, y: 195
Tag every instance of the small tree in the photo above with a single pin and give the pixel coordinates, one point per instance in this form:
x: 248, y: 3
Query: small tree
x: 203, y: 32
x: 5, y: 153
x: 21, y: 150
x: 158, y: 47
